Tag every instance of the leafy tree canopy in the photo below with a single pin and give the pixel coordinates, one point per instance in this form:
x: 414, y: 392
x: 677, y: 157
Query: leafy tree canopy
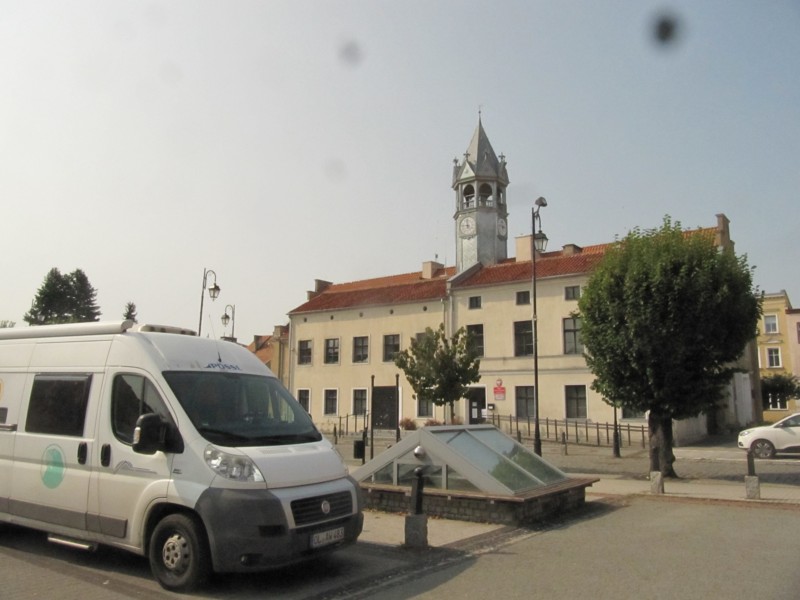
x: 440, y: 369
x: 663, y: 318
x: 66, y: 298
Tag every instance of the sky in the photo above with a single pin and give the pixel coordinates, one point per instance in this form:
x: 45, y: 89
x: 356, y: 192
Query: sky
x: 278, y: 142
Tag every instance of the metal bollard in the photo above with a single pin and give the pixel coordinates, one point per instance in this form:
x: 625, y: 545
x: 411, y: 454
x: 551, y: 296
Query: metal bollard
x: 563, y: 443
x: 751, y: 464
x: 364, y: 440
x: 417, y: 487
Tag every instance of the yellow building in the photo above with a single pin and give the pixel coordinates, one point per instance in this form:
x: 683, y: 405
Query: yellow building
x: 344, y: 338
x: 777, y: 332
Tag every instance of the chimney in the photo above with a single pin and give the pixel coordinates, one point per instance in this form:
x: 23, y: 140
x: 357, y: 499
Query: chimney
x: 320, y: 285
x: 430, y: 268
x: 571, y: 250
x: 523, y: 246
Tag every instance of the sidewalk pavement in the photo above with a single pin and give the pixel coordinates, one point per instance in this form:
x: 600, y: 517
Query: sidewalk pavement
x: 389, y: 529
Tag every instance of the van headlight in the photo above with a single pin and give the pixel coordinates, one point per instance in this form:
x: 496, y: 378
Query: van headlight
x: 232, y: 466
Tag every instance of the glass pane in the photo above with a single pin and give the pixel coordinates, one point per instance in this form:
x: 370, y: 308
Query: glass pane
x: 519, y: 455
x: 492, y: 463
x: 384, y: 475
x: 459, y: 483
x: 431, y: 475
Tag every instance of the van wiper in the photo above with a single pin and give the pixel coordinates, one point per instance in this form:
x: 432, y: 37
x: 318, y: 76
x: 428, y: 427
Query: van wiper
x: 223, y: 433
x: 290, y: 438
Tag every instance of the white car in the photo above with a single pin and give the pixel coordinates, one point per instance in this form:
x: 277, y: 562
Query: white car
x: 765, y: 441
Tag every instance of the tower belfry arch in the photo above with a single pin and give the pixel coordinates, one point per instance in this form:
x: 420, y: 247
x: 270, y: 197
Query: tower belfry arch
x: 480, y: 181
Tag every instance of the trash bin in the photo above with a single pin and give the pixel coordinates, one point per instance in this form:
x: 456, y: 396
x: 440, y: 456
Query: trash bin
x: 358, y: 449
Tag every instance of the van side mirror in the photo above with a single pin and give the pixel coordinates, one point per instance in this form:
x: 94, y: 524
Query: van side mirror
x: 148, y: 435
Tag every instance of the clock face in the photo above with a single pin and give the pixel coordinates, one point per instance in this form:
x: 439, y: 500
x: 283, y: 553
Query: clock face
x: 467, y: 226
x: 501, y: 227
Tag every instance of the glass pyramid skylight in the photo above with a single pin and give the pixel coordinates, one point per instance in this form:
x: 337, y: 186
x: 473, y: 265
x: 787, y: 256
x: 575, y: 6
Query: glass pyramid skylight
x: 465, y: 458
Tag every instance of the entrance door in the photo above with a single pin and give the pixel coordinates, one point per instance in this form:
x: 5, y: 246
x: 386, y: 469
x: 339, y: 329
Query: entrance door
x: 384, y: 408
x: 477, y: 405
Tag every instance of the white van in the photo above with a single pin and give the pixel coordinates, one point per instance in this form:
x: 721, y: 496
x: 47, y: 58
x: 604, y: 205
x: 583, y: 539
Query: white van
x: 186, y: 450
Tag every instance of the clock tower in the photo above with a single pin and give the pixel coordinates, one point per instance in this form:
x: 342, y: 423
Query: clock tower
x: 480, y: 182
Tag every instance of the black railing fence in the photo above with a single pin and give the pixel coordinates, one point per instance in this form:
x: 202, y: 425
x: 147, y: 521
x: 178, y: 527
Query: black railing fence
x: 556, y: 430
x: 573, y: 431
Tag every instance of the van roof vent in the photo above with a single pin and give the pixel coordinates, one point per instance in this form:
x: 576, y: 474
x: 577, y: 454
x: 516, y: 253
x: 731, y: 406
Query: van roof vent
x: 163, y: 329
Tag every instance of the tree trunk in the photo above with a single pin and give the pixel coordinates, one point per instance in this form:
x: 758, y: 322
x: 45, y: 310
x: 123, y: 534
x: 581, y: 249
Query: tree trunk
x: 661, y: 455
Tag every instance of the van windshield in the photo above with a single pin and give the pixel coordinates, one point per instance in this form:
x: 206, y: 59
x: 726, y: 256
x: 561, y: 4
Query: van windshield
x: 232, y: 409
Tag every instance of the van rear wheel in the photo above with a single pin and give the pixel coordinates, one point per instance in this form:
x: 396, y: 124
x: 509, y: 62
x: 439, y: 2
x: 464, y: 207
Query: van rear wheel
x: 179, y: 555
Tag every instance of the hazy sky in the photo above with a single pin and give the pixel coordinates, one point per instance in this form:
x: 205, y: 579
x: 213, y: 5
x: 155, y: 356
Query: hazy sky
x: 276, y: 142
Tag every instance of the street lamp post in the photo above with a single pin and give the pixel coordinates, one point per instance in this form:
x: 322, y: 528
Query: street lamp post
x: 230, y: 318
x: 213, y: 292
x: 538, y: 244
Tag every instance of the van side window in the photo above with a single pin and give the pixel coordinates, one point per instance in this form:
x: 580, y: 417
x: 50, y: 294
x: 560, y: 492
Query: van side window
x: 132, y: 396
x: 58, y: 404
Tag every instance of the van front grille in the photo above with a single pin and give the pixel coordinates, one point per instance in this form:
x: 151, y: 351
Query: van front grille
x: 313, y: 510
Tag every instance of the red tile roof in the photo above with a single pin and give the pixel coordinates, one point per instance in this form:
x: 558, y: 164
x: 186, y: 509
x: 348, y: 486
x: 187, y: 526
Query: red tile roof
x: 411, y: 287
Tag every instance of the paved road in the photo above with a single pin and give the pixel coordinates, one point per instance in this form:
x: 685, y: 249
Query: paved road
x: 617, y: 547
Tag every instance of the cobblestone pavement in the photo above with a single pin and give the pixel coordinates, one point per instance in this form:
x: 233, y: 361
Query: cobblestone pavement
x: 716, y: 458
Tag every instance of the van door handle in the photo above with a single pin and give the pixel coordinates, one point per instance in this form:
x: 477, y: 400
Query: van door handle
x: 105, y: 455
x: 83, y: 451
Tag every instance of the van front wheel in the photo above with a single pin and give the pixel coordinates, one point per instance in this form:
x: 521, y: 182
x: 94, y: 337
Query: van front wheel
x: 179, y: 556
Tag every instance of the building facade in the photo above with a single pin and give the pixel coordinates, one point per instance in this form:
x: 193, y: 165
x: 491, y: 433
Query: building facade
x: 344, y: 338
x: 777, y: 349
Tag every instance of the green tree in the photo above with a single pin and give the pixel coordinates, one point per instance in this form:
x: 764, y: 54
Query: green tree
x: 440, y: 369
x: 130, y: 312
x: 779, y: 387
x: 63, y: 299
x: 6, y: 324
x: 83, y: 298
x: 663, y: 319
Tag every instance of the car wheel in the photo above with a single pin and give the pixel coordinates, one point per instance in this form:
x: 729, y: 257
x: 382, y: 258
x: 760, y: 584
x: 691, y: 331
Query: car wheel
x: 762, y: 449
x: 179, y: 555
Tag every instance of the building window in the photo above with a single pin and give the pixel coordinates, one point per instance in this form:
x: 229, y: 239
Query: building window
x: 475, y: 333
x: 360, y: 349
x: 332, y: 351
x: 523, y: 338
x: 629, y: 413
x: 776, y: 402
x: 304, y: 398
x: 525, y: 401
x: 773, y: 358
x: 770, y: 323
x: 576, y: 401
x: 359, y: 402
x: 58, y: 404
x: 391, y: 346
x: 524, y: 297
x: 331, y: 402
x: 572, y: 336
x: 572, y: 292
x: 304, y: 352
x: 474, y: 302
x: 425, y: 408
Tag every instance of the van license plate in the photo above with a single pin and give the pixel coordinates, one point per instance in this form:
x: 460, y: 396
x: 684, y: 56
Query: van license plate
x: 323, y: 538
